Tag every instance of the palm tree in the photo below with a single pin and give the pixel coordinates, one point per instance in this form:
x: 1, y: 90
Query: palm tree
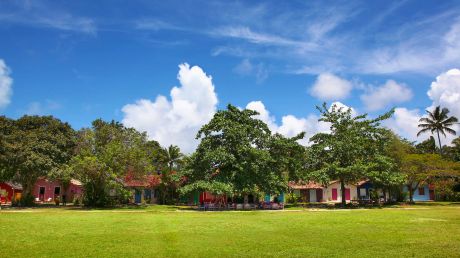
x: 437, y: 121
x: 173, y: 156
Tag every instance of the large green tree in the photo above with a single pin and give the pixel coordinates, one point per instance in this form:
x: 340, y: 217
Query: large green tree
x: 425, y: 168
x: 107, y: 153
x: 238, y: 154
x: 31, y: 147
x: 437, y: 121
x: 353, y: 147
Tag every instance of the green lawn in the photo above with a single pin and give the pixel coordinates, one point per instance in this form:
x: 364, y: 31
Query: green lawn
x: 416, y: 231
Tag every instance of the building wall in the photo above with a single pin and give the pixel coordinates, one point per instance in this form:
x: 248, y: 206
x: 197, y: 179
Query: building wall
x: 417, y: 195
x: 71, y: 193
x: 327, y: 193
x: 10, y: 192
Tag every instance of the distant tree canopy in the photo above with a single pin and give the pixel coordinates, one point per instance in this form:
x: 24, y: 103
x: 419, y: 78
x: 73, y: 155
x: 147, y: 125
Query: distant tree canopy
x: 239, y: 155
x: 31, y: 147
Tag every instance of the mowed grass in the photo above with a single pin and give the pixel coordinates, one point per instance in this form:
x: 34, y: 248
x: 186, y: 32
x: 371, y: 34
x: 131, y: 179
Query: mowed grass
x: 416, y: 231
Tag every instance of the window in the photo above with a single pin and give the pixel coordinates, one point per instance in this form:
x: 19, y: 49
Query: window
x: 57, y: 190
x: 421, y: 191
x: 362, y: 192
x: 42, y: 190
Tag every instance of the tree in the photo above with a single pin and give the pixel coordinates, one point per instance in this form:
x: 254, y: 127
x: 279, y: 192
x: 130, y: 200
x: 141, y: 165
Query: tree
x: 170, y: 176
x: 453, y: 152
x: 437, y: 121
x: 31, y: 147
x: 427, y: 146
x: 421, y: 168
x: 107, y: 153
x: 237, y: 154
x: 351, y: 148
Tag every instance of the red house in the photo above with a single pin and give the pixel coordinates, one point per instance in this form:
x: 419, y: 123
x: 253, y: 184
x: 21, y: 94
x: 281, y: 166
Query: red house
x: 13, y: 192
x: 47, y: 190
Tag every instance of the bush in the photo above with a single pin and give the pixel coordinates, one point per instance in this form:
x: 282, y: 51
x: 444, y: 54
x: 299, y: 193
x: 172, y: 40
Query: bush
x: 26, y: 200
x: 76, y: 201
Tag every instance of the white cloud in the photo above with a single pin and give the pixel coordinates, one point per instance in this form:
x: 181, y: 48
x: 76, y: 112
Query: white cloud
x: 6, y: 83
x: 431, y: 49
x: 176, y: 121
x: 330, y: 87
x: 247, y: 68
x: 385, y: 95
x: 291, y: 125
x: 344, y: 107
x: 247, y: 34
x: 39, y: 108
x: 264, y: 114
x: 445, y: 91
x: 41, y: 14
x: 405, y: 123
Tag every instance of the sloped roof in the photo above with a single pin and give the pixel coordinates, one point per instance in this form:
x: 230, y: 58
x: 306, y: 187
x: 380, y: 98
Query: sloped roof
x: 14, y: 185
x: 75, y: 182
x: 308, y: 185
x: 362, y: 182
x: 145, y: 181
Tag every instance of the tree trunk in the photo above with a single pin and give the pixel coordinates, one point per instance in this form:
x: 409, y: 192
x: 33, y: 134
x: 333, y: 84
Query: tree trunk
x: 411, y: 194
x: 342, y: 186
x: 440, y: 146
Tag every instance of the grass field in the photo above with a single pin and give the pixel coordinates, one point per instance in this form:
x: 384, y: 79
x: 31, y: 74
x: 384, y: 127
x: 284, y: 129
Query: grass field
x: 158, y: 231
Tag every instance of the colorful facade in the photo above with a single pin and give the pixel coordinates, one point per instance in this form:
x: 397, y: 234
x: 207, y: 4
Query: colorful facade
x: 309, y: 192
x: 143, y: 189
x: 13, y: 192
x: 49, y: 190
x: 424, y: 192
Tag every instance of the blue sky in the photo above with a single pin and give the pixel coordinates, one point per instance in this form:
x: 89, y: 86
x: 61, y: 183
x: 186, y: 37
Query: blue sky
x: 80, y: 60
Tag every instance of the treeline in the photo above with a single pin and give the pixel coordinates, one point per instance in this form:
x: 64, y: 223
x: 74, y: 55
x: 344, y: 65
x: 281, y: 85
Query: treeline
x: 237, y: 155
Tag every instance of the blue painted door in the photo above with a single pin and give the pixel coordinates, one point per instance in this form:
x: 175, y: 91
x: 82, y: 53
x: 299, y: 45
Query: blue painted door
x: 137, y: 196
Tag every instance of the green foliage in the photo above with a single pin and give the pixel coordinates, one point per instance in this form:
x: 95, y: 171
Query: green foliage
x: 353, y: 149
x: 424, y: 168
x: 453, y: 152
x: 31, y: 147
x: 171, y: 174
x: 106, y: 154
x: 237, y: 152
x: 428, y: 146
x: 437, y: 121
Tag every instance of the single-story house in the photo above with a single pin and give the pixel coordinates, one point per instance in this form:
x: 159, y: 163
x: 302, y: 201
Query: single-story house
x: 424, y: 192
x: 144, y: 189
x: 13, y: 192
x: 309, y: 192
x: 333, y: 192
x: 48, y: 190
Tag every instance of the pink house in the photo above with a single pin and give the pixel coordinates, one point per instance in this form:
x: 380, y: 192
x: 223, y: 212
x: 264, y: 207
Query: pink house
x: 47, y: 190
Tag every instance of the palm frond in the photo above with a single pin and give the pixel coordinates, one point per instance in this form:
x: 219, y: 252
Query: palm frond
x: 450, y: 131
x: 423, y: 131
x: 425, y: 125
x: 450, y: 120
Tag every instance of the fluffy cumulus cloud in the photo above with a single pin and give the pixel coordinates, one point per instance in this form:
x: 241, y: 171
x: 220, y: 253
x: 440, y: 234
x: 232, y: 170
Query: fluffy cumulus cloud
x: 264, y: 114
x: 330, y: 87
x: 6, y: 83
x: 385, y: 95
x: 405, y: 123
x: 444, y: 91
x: 291, y: 125
x: 178, y: 119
